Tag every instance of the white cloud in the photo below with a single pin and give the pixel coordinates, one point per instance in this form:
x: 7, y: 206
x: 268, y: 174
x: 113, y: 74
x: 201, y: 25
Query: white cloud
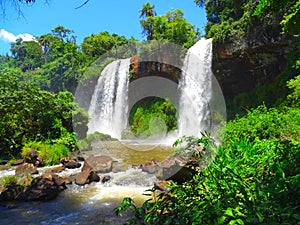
x: 10, y: 37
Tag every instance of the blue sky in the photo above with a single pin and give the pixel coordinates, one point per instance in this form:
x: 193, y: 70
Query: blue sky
x: 115, y: 16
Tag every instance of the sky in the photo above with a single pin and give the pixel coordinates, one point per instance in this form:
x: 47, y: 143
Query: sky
x: 115, y: 16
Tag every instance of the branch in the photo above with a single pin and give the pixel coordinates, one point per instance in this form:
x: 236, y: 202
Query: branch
x: 82, y: 4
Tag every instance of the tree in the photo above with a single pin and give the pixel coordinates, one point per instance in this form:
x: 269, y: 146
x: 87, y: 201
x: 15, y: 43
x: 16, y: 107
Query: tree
x: 98, y: 44
x: 147, y: 13
x: 171, y: 27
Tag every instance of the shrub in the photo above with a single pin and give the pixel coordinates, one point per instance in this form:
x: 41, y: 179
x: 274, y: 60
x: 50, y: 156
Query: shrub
x: 49, y: 154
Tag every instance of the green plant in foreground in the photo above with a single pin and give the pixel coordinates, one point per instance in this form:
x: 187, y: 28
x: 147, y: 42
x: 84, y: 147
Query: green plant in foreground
x: 254, y: 178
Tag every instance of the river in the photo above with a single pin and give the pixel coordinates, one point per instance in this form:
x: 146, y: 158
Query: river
x: 93, y: 203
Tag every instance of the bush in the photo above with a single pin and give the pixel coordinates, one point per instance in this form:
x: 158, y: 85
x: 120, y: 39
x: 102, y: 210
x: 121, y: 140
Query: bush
x: 254, y: 178
x: 49, y: 154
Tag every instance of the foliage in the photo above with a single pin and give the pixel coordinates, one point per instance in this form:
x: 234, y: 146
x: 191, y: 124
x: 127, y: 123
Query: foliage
x: 291, y: 17
x: 152, y: 115
x: 171, y: 27
x: 98, y: 44
x: 294, y: 97
x: 29, y: 113
x: 49, y: 154
x: 8, y: 180
x: 254, y: 179
x: 263, y: 123
x: 85, y: 144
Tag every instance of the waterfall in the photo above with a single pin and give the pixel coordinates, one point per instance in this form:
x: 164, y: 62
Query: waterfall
x: 109, y: 104
x: 195, y: 89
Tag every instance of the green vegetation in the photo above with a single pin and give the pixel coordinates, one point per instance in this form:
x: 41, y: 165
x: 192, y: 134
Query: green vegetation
x: 8, y: 180
x: 171, y: 27
x: 152, y: 116
x: 49, y: 154
x: 254, y: 178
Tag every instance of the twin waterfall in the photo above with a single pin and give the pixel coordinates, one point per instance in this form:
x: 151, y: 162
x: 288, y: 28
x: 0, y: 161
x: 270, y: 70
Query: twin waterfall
x: 109, y: 105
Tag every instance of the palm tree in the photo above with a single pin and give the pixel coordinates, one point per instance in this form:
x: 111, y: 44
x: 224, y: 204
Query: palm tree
x: 147, y: 12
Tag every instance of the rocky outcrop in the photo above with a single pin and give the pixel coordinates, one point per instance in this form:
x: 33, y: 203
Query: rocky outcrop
x: 45, y: 187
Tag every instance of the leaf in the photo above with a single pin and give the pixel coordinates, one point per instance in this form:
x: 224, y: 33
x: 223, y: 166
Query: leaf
x: 229, y: 212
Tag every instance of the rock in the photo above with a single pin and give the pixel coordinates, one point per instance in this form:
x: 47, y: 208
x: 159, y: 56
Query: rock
x: 45, y: 187
x: 25, y: 181
x: 18, y: 162
x: 10, y: 192
x: 26, y: 168
x: 151, y: 166
x: 106, y: 178
x: 72, y: 165
x: 32, y: 157
x: 177, y: 169
x: 167, y: 168
x: 162, y: 185
x: 70, y: 162
x: 58, y: 169
x: 99, y: 164
x: 86, y: 177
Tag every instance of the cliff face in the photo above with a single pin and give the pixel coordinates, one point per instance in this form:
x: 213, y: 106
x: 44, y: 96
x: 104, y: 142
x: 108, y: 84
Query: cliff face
x: 243, y: 69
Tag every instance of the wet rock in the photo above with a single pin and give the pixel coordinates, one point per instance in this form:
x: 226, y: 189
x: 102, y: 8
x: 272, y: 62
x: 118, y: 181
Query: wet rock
x: 70, y: 162
x: 106, y: 178
x: 99, y: 164
x: 25, y: 181
x: 151, y: 166
x: 72, y: 165
x: 18, y: 162
x: 58, y: 169
x: 162, y: 185
x: 26, y: 168
x: 45, y: 187
x: 10, y: 192
x: 86, y: 177
x: 177, y: 169
x: 32, y: 157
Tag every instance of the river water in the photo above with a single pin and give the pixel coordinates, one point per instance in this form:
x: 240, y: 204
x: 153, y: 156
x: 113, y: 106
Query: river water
x: 93, y: 203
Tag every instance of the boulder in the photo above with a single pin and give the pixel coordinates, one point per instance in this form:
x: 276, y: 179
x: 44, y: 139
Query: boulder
x: 32, y: 157
x: 18, y: 162
x: 45, y: 187
x: 177, y: 169
x: 26, y: 168
x: 152, y: 166
x: 99, y: 164
x: 86, y: 177
x: 105, y: 178
x: 10, y: 192
x: 70, y: 162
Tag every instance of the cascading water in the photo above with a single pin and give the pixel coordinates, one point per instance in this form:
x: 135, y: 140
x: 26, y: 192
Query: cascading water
x: 195, y: 89
x: 109, y: 104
